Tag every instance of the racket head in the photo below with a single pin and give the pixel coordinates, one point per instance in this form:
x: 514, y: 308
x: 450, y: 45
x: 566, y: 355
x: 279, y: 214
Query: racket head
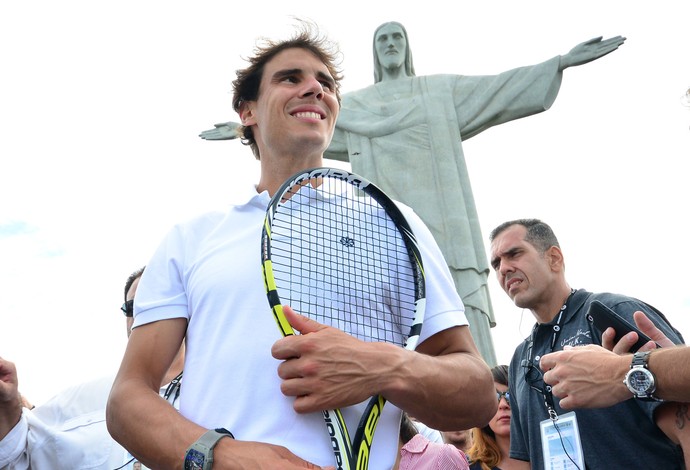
x: 338, y: 250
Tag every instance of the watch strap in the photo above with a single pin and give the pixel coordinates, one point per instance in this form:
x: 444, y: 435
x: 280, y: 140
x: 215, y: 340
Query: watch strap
x: 205, y: 445
x: 640, y: 359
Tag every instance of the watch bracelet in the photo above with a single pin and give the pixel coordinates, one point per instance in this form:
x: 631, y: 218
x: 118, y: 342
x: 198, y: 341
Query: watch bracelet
x: 640, y: 360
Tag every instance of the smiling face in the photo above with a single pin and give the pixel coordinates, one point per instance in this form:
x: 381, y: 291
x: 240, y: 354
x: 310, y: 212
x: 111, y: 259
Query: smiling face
x: 391, y: 46
x: 296, y: 108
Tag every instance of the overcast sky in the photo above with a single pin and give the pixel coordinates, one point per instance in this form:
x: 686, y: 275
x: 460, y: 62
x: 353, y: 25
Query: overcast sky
x: 101, y: 104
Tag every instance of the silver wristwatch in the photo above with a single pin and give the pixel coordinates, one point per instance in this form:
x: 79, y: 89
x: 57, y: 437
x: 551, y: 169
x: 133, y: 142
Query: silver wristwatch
x: 199, y: 456
x: 639, y: 379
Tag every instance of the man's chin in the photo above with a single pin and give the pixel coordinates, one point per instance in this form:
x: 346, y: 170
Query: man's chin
x: 518, y: 300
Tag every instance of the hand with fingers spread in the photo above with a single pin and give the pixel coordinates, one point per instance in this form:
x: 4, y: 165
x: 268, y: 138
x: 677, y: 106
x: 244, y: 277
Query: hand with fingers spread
x: 590, y: 50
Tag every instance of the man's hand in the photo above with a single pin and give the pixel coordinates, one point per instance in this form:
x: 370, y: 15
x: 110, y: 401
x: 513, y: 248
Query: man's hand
x: 325, y: 368
x: 233, y: 454
x: 646, y: 326
x: 586, y: 376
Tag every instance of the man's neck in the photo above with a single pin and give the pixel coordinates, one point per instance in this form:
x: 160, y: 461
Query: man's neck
x: 548, y: 310
x: 275, y: 172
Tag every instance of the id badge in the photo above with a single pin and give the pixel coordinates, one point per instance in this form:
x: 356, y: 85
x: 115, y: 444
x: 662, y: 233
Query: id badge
x: 560, y: 442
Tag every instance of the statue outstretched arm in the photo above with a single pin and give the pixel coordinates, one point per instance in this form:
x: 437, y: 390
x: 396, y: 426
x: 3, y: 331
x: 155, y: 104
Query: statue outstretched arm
x: 589, y: 51
x: 223, y: 131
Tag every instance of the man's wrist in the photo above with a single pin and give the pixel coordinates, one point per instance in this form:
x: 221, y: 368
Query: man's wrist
x: 639, y: 379
x: 623, y: 366
x: 199, y: 455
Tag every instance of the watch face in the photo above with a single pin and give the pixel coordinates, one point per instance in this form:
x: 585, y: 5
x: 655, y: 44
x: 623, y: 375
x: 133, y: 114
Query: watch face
x: 194, y: 460
x: 640, y: 381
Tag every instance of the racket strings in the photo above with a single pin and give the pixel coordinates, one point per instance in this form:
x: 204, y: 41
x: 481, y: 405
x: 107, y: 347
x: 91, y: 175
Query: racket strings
x: 339, y: 259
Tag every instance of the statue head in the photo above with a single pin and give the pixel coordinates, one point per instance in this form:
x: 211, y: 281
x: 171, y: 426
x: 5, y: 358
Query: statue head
x: 388, y: 32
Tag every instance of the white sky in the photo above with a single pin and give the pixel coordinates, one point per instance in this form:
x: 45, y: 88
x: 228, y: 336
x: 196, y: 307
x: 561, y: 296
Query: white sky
x: 101, y: 104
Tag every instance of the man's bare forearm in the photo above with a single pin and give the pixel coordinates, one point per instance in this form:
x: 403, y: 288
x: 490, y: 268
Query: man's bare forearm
x: 671, y: 367
x: 161, y: 439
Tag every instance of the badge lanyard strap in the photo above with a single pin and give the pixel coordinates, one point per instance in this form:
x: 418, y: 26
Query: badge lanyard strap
x: 173, y: 389
x: 546, y: 390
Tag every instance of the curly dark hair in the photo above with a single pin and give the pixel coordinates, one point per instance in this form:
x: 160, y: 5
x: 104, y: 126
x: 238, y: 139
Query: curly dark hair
x: 246, y: 85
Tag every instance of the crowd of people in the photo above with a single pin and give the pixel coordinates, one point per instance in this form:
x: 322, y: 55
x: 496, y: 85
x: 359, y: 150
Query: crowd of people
x: 253, y: 399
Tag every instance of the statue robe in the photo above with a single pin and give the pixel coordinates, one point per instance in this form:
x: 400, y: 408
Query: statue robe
x: 409, y: 143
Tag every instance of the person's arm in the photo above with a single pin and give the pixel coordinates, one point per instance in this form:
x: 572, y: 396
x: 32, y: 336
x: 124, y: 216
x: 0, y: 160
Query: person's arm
x: 136, y: 415
x: 324, y: 368
x: 152, y: 429
x: 592, y: 376
x: 671, y: 367
x: 10, y: 399
x: 673, y: 420
x: 590, y: 50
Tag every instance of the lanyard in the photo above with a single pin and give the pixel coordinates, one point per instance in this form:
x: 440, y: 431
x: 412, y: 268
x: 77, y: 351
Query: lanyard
x: 546, y: 389
x: 173, y: 388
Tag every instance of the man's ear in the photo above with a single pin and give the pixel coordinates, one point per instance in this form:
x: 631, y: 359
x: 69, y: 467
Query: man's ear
x: 247, y: 113
x: 555, y: 258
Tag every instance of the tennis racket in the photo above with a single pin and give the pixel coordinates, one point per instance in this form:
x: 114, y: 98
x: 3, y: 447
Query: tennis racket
x: 336, y: 249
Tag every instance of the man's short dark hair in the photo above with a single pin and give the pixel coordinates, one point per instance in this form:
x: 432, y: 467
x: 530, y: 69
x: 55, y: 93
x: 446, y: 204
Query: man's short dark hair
x: 539, y: 234
x: 133, y: 277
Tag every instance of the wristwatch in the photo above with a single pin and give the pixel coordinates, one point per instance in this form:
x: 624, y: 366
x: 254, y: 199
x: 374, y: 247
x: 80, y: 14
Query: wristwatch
x: 199, y: 456
x: 639, y: 379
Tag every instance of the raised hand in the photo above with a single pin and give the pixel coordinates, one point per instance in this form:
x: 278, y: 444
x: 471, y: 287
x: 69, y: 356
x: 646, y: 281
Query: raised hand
x: 590, y: 50
x: 223, y: 131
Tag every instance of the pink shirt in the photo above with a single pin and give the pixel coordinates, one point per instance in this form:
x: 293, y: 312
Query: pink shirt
x: 421, y: 454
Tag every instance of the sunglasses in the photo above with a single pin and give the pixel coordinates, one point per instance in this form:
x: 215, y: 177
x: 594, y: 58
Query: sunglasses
x: 505, y: 395
x: 128, y: 308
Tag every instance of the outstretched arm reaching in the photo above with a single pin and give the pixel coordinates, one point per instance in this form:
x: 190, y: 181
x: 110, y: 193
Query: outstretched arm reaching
x: 222, y: 131
x: 589, y: 51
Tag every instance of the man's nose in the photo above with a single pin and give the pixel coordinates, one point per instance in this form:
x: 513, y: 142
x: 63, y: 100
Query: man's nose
x: 313, y: 87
